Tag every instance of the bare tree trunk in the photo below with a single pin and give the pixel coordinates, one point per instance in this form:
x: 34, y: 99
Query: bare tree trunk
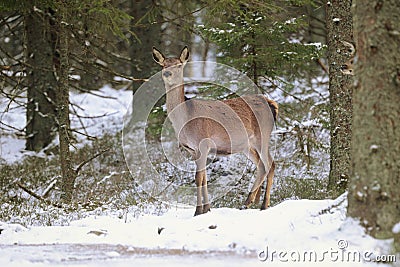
x: 41, y: 107
x: 174, y: 36
x: 147, y: 36
x: 68, y: 173
x: 374, y: 192
x: 339, y: 30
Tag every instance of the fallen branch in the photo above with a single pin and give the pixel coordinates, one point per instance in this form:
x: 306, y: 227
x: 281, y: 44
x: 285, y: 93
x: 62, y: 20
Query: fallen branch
x: 38, y: 197
x: 335, y: 204
x: 49, y: 188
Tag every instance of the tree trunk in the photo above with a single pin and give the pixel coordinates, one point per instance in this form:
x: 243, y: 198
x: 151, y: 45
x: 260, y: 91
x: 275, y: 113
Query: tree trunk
x: 148, y: 34
x: 174, y: 36
x: 374, y: 192
x: 339, y: 30
x: 41, y: 81
x: 68, y: 173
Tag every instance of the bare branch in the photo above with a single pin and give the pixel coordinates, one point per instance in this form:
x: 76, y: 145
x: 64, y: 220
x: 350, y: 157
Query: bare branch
x: 90, y: 159
x: 90, y: 137
x: 49, y: 188
x: 12, y: 127
x: 38, y: 197
x: 323, y: 66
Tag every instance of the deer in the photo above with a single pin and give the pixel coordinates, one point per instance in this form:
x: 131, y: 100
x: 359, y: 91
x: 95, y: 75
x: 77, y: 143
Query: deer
x: 237, y: 125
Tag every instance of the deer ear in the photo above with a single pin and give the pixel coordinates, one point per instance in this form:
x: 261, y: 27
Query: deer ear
x: 184, y: 55
x: 158, y: 56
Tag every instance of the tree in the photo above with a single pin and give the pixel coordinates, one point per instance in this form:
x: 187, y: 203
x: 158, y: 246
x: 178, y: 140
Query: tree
x: 57, y: 33
x: 147, y: 35
x: 64, y: 128
x: 64, y: 21
x: 270, y: 41
x: 339, y: 35
x: 40, y: 79
x: 374, y: 192
x: 260, y: 38
x: 178, y: 22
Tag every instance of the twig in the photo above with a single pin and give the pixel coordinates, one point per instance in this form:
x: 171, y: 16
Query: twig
x: 164, y: 20
x: 90, y: 137
x: 91, y: 92
x: 323, y: 66
x: 80, y: 120
x: 283, y: 90
x: 90, y: 159
x: 48, y: 189
x: 38, y: 197
x: 95, y: 116
x: 12, y: 127
x: 104, y: 69
x: 336, y: 204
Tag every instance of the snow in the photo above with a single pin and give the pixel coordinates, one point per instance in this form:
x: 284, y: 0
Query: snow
x: 102, y: 112
x: 290, y: 232
x: 318, y: 45
x: 396, y: 228
x: 107, y: 107
x: 373, y: 148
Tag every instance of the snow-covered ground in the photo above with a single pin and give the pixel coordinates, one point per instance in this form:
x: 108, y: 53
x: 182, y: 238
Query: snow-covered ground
x: 99, y: 113
x: 301, y: 232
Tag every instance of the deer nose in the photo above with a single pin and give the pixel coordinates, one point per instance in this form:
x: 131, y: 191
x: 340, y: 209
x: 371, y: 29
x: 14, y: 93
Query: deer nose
x: 167, y: 74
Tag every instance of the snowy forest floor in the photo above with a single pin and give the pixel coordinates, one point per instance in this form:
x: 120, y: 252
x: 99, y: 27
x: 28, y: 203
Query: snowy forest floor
x: 301, y: 232
x: 293, y: 230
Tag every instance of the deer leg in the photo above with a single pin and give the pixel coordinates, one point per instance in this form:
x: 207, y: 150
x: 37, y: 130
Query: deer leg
x: 255, y: 191
x: 199, y: 182
x: 201, y: 179
x: 206, y: 203
x: 260, y: 176
x: 258, y: 195
x: 270, y: 177
x: 256, y: 186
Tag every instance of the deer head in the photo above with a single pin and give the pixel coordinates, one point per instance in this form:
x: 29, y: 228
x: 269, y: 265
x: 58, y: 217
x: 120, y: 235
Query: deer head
x: 172, y: 72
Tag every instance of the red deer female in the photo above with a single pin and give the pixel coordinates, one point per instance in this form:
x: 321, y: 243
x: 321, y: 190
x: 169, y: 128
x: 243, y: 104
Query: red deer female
x: 243, y: 124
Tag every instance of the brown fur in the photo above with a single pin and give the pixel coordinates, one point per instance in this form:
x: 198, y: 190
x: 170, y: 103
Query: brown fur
x: 242, y: 124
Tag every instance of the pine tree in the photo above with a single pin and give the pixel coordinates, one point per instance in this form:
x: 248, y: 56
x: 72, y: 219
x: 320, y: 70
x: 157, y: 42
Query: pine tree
x: 40, y: 55
x: 147, y: 34
x: 259, y: 38
x: 374, y: 192
x: 340, y: 35
x: 54, y: 31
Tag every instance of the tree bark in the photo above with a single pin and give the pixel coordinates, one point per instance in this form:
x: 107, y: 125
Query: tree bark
x: 174, y: 36
x: 68, y: 173
x: 41, y: 107
x: 339, y: 30
x: 148, y: 34
x: 374, y: 192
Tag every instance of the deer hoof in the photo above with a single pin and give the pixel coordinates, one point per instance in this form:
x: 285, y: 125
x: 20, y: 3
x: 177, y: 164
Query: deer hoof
x: 206, y: 208
x: 199, y: 210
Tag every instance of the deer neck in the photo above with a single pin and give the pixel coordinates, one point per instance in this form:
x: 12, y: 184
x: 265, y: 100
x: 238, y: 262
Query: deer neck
x: 175, y: 96
x: 176, y: 106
